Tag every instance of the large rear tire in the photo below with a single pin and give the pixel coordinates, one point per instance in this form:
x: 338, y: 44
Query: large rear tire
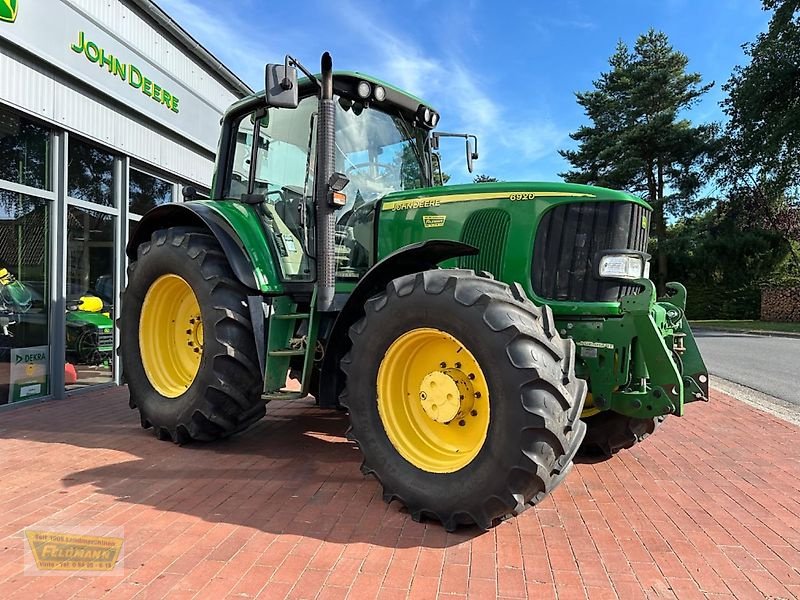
x: 187, y: 343
x: 462, y: 397
x: 609, y: 432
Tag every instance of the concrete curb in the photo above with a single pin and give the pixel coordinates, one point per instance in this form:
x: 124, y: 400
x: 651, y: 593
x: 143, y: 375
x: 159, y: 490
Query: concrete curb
x: 782, y: 409
x: 787, y: 334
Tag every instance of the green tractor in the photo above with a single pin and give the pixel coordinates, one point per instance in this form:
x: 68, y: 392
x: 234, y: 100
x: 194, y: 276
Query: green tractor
x: 90, y: 331
x: 444, y: 319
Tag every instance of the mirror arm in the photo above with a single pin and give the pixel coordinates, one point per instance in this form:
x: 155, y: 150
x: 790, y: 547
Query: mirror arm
x: 472, y: 153
x: 292, y: 61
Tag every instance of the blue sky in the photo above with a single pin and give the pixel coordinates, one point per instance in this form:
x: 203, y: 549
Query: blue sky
x: 506, y: 71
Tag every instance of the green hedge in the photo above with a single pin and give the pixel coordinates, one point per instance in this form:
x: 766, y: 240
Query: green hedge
x: 704, y: 301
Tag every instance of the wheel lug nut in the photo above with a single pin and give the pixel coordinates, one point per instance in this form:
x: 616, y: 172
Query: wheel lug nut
x: 471, y: 375
x: 188, y: 332
x: 197, y: 350
x: 191, y: 321
x: 423, y: 395
x: 190, y: 343
x: 474, y: 413
x: 462, y: 422
x: 443, y: 365
x: 477, y: 394
x: 458, y: 365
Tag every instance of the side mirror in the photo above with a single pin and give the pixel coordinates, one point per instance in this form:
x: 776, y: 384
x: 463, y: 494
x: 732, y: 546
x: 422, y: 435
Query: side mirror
x: 281, y: 86
x: 472, y: 151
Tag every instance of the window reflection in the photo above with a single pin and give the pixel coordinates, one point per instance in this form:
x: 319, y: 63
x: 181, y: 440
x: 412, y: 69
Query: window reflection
x: 24, y: 151
x: 24, y: 293
x: 90, y: 294
x: 90, y: 173
x: 147, y: 191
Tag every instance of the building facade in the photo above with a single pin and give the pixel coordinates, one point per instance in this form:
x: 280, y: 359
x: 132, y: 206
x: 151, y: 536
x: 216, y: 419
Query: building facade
x: 107, y: 108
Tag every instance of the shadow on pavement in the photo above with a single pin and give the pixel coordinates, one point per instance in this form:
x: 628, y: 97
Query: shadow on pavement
x: 294, y: 472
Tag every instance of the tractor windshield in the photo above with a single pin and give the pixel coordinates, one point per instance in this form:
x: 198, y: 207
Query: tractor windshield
x: 380, y: 153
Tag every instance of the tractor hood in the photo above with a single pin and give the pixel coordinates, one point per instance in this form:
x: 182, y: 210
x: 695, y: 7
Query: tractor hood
x: 512, y: 190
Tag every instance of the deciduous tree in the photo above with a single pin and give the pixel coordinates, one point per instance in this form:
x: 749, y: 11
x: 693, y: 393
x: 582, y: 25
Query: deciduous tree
x: 761, y: 163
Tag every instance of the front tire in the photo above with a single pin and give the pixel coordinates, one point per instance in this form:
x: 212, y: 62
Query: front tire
x: 510, y: 437
x: 187, y: 343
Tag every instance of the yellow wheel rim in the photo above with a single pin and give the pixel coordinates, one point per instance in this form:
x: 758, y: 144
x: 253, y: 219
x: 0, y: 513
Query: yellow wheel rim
x: 171, y: 335
x: 589, y: 409
x: 433, y: 400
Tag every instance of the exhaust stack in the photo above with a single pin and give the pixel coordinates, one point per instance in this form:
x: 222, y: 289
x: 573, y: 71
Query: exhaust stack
x: 326, y: 216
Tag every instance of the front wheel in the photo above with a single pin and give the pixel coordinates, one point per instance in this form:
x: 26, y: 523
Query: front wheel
x: 186, y: 340
x: 462, y: 397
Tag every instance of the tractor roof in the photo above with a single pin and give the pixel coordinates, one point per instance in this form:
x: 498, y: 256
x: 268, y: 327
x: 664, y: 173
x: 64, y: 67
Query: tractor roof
x: 345, y: 82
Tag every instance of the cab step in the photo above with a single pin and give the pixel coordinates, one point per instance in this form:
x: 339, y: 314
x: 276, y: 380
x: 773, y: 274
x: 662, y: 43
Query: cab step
x: 283, y: 395
x: 287, y: 352
x: 292, y: 316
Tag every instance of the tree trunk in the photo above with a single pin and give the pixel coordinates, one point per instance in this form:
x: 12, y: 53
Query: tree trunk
x: 661, y: 233
x: 654, y: 186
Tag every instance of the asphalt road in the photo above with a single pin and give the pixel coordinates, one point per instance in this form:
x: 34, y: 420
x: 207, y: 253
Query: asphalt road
x: 770, y: 365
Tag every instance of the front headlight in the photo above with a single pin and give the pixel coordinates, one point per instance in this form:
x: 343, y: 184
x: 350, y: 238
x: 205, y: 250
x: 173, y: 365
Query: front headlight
x: 622, y: 266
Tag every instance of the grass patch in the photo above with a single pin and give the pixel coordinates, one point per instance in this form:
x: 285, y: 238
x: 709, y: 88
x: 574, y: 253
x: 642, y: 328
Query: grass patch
x: 749, y: 325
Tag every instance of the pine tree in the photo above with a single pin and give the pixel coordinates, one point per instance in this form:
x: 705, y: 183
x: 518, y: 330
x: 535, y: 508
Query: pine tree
x: 481, y: 178
x: 639, y: 139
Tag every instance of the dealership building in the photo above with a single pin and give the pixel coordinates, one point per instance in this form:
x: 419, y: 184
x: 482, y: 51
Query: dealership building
x: 107, y: 108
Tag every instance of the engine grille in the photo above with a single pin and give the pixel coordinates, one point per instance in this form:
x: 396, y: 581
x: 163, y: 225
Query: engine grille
x: 487, y: 230
x: 568, y: 240
x: 105, y: 340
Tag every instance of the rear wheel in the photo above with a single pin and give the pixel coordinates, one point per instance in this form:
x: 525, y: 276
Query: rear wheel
x: 462, y: 397
x: 187, y: 343
x: 609, y: 432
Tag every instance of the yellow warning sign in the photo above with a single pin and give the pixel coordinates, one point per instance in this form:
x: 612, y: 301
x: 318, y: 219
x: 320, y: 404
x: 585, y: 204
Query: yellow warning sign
x: 434, y: 220
x: 57, y: 551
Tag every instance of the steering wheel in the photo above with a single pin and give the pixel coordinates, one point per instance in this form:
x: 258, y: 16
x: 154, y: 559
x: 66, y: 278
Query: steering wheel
x: 384, y: 170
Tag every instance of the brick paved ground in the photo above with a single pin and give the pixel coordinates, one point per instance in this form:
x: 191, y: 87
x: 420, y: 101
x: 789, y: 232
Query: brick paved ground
x: 709, y: 507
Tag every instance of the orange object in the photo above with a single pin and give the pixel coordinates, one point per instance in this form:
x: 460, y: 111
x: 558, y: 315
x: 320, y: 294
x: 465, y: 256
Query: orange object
x: 70, y: 374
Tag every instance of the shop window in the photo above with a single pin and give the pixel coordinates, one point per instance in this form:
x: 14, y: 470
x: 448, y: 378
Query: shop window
x: 147, y: 191
x: 25, y: 151
x: 90, y: 174
x: 90, y: 297
x: 24, y: 293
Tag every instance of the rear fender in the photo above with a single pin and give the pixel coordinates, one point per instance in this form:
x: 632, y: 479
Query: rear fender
x: 237, y: 228
x: 413, y: 258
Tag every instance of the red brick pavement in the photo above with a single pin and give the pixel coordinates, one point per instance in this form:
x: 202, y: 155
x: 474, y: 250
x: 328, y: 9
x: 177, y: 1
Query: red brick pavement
x: 708, y: 507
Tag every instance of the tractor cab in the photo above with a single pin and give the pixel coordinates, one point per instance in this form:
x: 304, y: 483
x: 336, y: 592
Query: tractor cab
x: 268, y: 157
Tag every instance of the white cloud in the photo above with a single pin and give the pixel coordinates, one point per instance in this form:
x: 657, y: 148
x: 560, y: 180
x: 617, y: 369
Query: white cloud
x: 508, y: 143
x: 244, y: 54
